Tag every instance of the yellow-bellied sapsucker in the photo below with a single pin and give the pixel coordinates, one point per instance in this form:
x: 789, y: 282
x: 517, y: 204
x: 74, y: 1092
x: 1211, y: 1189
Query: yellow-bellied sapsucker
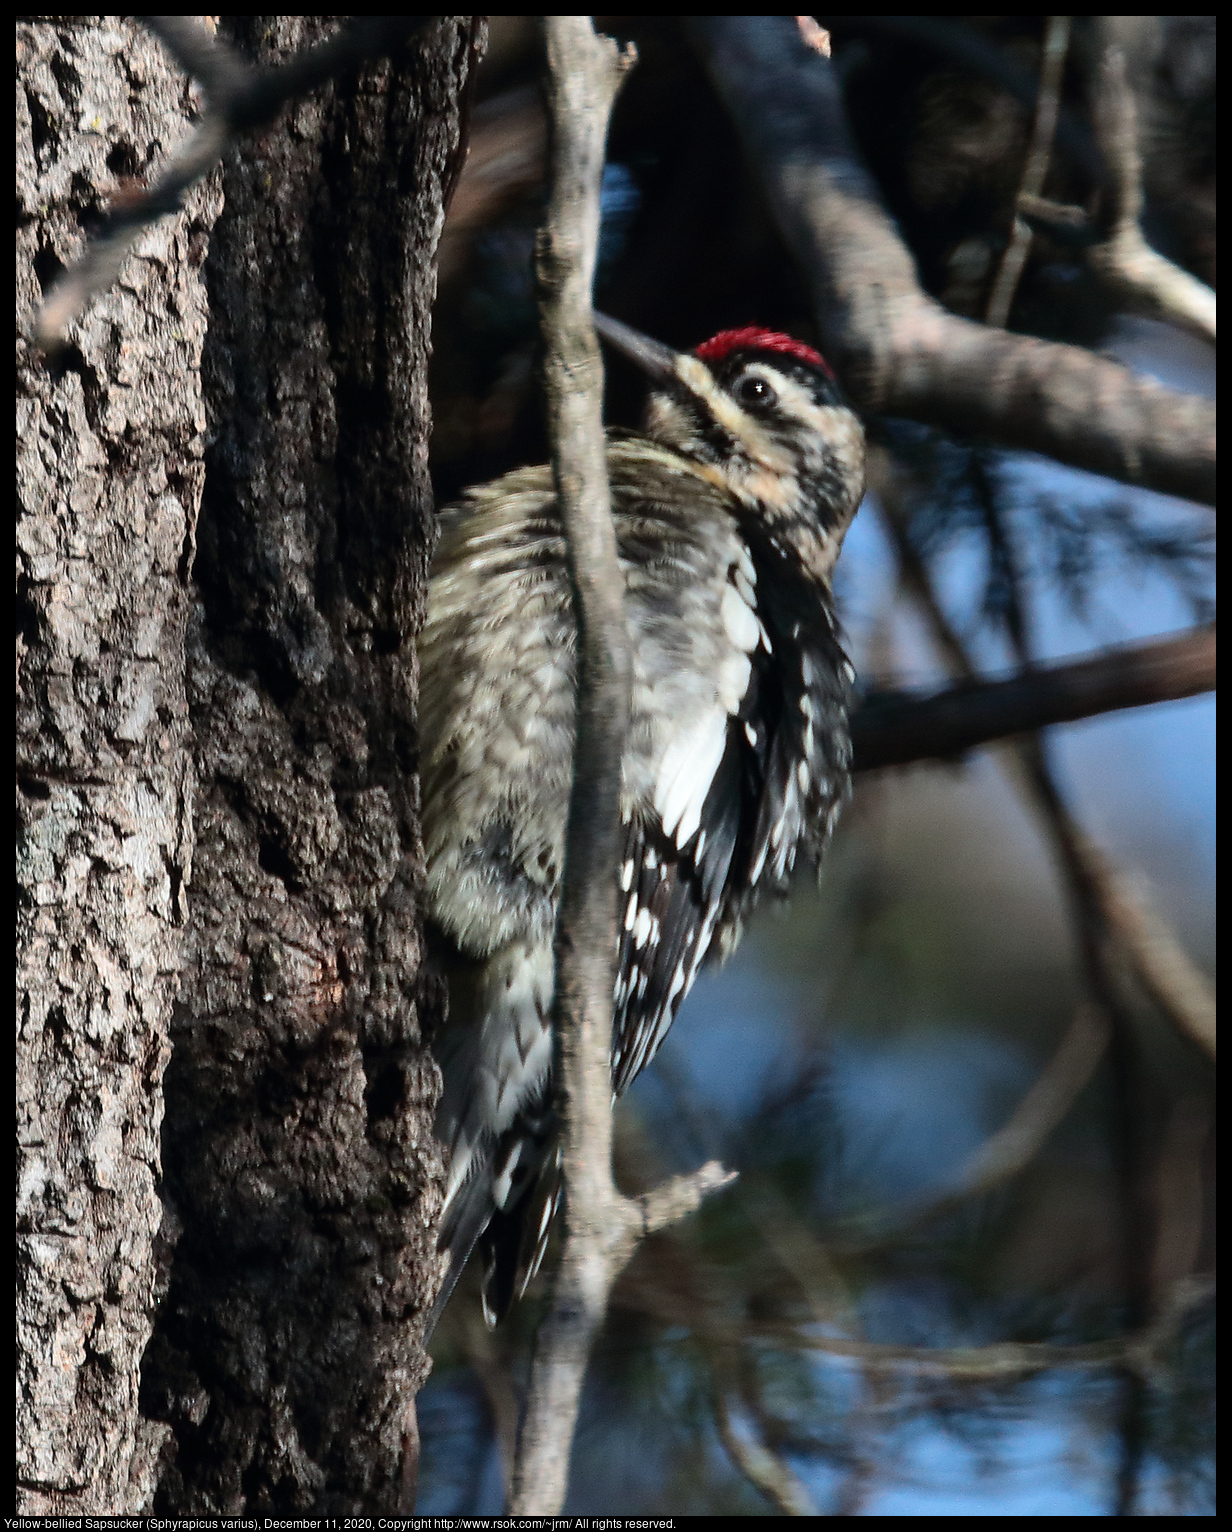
x: 730, y: 510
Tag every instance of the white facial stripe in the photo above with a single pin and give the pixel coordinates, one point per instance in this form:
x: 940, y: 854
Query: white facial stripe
x: 697, y: 377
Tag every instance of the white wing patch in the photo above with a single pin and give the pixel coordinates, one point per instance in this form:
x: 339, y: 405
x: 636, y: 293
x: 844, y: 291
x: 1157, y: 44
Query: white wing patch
x: 692, y: 757
x: 740, y: 616
x: 733, y: 681
x: 688, y: 768
x: 673, y: 900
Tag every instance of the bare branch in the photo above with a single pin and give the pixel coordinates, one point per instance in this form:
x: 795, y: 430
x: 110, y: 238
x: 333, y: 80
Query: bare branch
x: 760, y: 1465
x: 893, y: 728
x: 1146, y: 280
x: 238, y: 97
x: 814, y: 36
x: 898, y: 351
x: 1034, y: 170
x: 1098, y: 939
x: 1163, y: 967
x: 100, y: 265
x: 601, y: 1227
x: 1138, y: 1351
x: 1042, y: 1109
x: 1070, y: 222
x: 584, y: 74
x: 683, y: 1195
x: 1013, y: 1147
x: 221, y: 72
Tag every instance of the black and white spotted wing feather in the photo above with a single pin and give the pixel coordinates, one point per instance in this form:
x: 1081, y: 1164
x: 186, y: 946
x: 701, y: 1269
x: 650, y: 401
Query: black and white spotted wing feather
x: 779, y: 782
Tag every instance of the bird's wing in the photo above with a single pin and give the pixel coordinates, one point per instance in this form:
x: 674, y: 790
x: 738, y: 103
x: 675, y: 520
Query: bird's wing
x: 738, y: 783
x: 694, y: 757
x: 669, y: 902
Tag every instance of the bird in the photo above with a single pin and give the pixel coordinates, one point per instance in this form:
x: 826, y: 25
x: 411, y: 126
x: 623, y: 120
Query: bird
x: 730, y: 506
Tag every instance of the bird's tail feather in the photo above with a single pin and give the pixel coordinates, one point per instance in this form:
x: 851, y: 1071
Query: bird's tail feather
x: 495, y: 1116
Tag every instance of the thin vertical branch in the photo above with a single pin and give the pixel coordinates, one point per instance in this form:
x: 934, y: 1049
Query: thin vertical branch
x: 584, y: 72
x: 1047, y: 106
x: 601, y: 1227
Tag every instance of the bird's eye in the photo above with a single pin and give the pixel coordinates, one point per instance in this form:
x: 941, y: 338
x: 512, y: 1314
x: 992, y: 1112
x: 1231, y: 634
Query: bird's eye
x: 755, y: 391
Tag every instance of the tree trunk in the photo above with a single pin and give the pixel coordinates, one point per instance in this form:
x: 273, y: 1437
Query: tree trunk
x: 109, y: 479
x: 300, y: 1176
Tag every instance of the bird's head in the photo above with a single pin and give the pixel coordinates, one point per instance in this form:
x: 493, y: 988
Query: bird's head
x: 764, y: 415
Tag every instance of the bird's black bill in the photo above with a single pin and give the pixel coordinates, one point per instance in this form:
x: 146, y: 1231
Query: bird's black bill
x: 652, y: 357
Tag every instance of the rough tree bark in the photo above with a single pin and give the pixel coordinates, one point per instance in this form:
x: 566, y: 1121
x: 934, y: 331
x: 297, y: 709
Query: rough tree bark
x: 301, y: 1180
x: 109, y: 478
x: 301, y: 1173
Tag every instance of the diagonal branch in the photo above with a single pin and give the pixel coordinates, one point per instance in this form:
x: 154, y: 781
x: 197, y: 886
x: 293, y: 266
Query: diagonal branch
x: 1034, y: 171
x: 1162, y: 966
x: 899, y: 351
x: 681, y: 1196
x: 893, y: 728
x: 1139, y: 1350
x: 1101, y: 942
x: 1112, y: 902
x: 769, y: 1473
x: 1009, y: 1150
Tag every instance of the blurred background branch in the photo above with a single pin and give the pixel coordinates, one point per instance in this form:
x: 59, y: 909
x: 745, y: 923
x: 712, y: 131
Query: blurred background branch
x: 1012, y: 1148
x: 764, y: 1468
x: 1106, y: 896
x: 1097, y: 937
x: 1137, y: 273
x: 1137, y: 1350
x: 894, y: 728
x: 1034, y: 170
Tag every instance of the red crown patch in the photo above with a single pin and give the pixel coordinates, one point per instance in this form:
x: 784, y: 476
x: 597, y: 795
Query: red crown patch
x: 752, y: 338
